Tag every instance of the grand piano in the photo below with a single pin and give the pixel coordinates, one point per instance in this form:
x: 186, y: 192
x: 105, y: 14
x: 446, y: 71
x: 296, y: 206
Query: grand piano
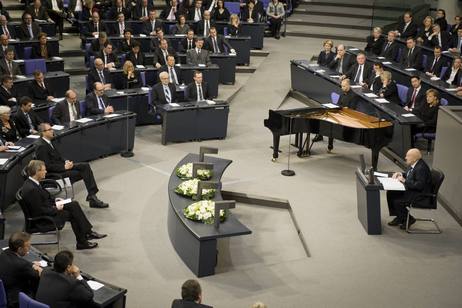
x: 335, y: 123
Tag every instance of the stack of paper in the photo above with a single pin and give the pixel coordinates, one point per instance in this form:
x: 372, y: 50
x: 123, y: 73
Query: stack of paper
x: 139, y: 66
x: 33, y: 136
x: 387, y: 62
x: 3, y: 161
x: 380, y: 174
x: 391, y: 184
x: 434, y: 78
x: 145, y: 88
x: 330, y: 105
x: 58, y: 127
x: 356, y: 86
x: 320, y: 71
x: 408, y: 115
x: 174, y: 105
x: 95, y: 285
x: 111, y: 115
x: 210, y: 102
x: 84, y: 120
x: 372, y: 95
x: 410, y: 69
x: 381, y: 100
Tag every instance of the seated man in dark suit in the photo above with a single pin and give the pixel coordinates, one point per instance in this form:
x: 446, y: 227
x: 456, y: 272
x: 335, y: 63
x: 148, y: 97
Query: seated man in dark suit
x: 119, y: 8
x: 161, y: 53
x: 439, y: 38
x: 26, y: 120
x: 360, y: 72
x: 198, y: 90
x: 173, y: 71
x: 67, y: 110
x: 38, y: 11
x: 18, y: 274
x: 390, y: 47
x: 198, y: 55
x: 136, y: 56
x: 406, y: 27
x: 191, y: 296
x: 436, y: 63
x: 347, y: 99
x: 100, y: 74
x: 6, y: 29
x: 110, y: 60
x: 46, y: 151
x: 203, y: 27
x: 7, y: 66
x: 64, y: 286
x: 29, y: 29
x: 5, y: 45
x: 171, y: 12
x: 40, y: 203
x: 152, y: 24
x: 163, y: 92
x: 39, y: 89
x: 417, y: 180
x: 142, y: 10
x: 97, y: 101
x: 342, y: 62
x: 411, y: 57
x: 155, y: 41
x: 196, y: 12
x: 120, y: 26
x: 217, y: 43
x: 188, y: 42
x: 95, y: 26
x: 456, y: 42
x: 8, y: 95
x: 415, y: 95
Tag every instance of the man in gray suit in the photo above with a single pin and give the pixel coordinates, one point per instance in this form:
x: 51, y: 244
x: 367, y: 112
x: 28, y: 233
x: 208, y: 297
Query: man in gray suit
x: 7, y: 66
x: 198, y: 55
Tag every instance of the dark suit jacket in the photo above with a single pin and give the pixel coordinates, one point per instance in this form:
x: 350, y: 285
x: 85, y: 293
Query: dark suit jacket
x: 4, y: 68
x: 419, y: 99
x: 445, y: 40
x: 367, y: 72
x: 192, y: 91
x: 42, y: 13
x: 346, y: 64
x: 454, y: 42
x: 436, y: 69
x: 5, y: 96
x: 164, y: 68
x: 116, y: 29
x: 93, y: 77
x: 166, y: 11
x: 54, y: 163
x: 110, y: 58
x: 23, y: 33
x: 17, y: 276
x: 192, y: 12
x: 418, y: 181
x: 200, y: 27
x: 375, y: 82
x: 90, y: 28
x: 125, y: 47
x: 49, y: 5
x: 428, y: 115
x: 391, y: 52
x: 63, y: 291
x: 112, y: 14
x: 138, y: 12
x: 179, y: 303
x: 325, y: 59
x: 390, y: 92
x: 92, y: 104
x: 158, y: 95
x: 245, y: 14
x: 159, y: 57
x: 183, y: 46
x: 234, y: 31
x: 412, y: 60
x: 348, y: 99
x: 221, y: 42
x: 61, y: 114
x: 11, y: 29
x: 38, y: 93
x: 140, y: 60
x: 147, y: 26
x: 36, y: 52
x: 446, y: 76
x: 374, y: 46
x: 22, y: 125
x: 411, y: 30
x: 8, y: 134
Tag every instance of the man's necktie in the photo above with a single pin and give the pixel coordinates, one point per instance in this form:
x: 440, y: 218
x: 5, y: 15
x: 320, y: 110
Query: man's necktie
x: 172, y: 74
x: 167, y: 94
x: 100, y: 103
x: 145, y: 13
x: 43, y: 85
x: 459, y: 45
x: 433, y: 65
x: 412, y: 102
x: 96, y: 27
x: 215, y: 46
x: 10, y: 67
x: 386, y: 46
x: 165, y: 56
x: 189, y: 44
x: 405, y: 27
x: 200, y: 96
x: 340, y: 66
x: 358, y: 77
x: 153, y: 26
x: 101, y: 76
x: 29, y: 121
x: 6, y: 32
x: 30, y: 31
x: 439, y: 39
x: 206, y: 28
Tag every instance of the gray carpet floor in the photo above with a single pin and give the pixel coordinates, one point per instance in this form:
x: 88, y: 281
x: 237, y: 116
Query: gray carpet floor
x: 345, y: 266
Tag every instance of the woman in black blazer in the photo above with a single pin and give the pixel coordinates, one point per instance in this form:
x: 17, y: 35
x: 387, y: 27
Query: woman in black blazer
x: 425, y: 30
x: 389, y: 90
x: 375, y: 42
x: 453, y: 74
x: 327, y: 55
x: 7, y: 127
x: 428, y: 113
x: 250, y: 13
x: 41, y: 50
x: 234, y: 28
x: 131, y: 77
x: 220, y: 13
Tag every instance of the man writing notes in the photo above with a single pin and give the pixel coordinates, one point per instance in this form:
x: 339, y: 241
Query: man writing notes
x: 417, y: 180
x: 46, y: 151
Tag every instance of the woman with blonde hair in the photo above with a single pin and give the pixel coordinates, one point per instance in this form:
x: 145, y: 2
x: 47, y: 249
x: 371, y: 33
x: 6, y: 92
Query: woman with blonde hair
x: 375, y: 42
x: 327, y: 55
x: 7, y: 127
x: 389, y: 89
x: 259, y: 305
x: 131, y: 77
x: 234, y: 28
x: 427, y: 112
x: 426, y: 30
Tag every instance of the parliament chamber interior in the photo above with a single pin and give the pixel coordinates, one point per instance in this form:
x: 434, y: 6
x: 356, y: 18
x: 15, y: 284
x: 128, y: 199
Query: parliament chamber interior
x: 245, y: 153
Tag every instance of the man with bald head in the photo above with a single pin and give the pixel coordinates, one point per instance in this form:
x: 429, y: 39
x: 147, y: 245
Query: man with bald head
x: 99, y: 74
x: 164, y: 92
x: 97, y: 102
x: 342, y: 62
x: 67, y: 110
x: 6, y: 29
x: 417, y: 180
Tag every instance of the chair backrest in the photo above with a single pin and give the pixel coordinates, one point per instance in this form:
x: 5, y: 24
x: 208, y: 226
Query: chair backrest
x: 443, y: 71
x: 334, y: 97
x: 122, y: 57
x: 424, y: 60
x: 170, y: 29
x: 83, y: 108
x: 27, y: 302
x: 443, y: 102
x: 50, y: 113
x: 265, y: 3
x: 402, y: 93
x: 91, y: 62
x: 32, y: 65
x: 2, y: 295
x: 398, y: 54
x: 437, y: 180
x: 233, y: 7
x: 27, y: 53
x: 225, y: 31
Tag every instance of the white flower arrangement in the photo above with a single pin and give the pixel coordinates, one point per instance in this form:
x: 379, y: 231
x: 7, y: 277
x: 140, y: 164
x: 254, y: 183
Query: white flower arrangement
x: 189, y: 189
x: 203, y: 211
x: 184, y: 172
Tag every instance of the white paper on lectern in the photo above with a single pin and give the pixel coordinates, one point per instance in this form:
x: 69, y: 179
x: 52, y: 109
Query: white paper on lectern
x: 380, y: 174
x: 372, y: 95
x: 3, y: 161
x: 111, y: 115
x: 174, y: 105
x: 84, y: 120
x: 95, y: 285
x: 381, y: 100
x: 330, y: 105
x: 391, y: 184
x: 33, y: 136
x: 408, y: 115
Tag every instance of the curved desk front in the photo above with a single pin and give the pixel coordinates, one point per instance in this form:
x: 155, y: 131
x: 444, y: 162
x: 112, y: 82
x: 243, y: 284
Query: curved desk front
x: 195, y: 242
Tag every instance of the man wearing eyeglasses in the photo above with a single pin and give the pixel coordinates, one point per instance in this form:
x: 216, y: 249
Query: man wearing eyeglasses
x: 97, y: 101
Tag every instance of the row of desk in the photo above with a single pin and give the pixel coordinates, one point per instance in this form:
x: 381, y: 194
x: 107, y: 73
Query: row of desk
x: 77, y: 142
x: 255, y: 30
x: 402, y: 75
x: 45, y: 26
x: 317, y: 83
x: 19, y: 45
x: 54, y: 64
x: 108, y: 296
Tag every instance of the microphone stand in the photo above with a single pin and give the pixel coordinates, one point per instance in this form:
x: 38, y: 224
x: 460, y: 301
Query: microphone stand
x: 288, y: 171
x: 127, y: 153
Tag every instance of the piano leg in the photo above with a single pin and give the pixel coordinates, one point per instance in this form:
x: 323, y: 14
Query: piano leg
x: 330, y: 145
x: 375, y: 158
x: 299, y: 144
x: 276, y: 138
